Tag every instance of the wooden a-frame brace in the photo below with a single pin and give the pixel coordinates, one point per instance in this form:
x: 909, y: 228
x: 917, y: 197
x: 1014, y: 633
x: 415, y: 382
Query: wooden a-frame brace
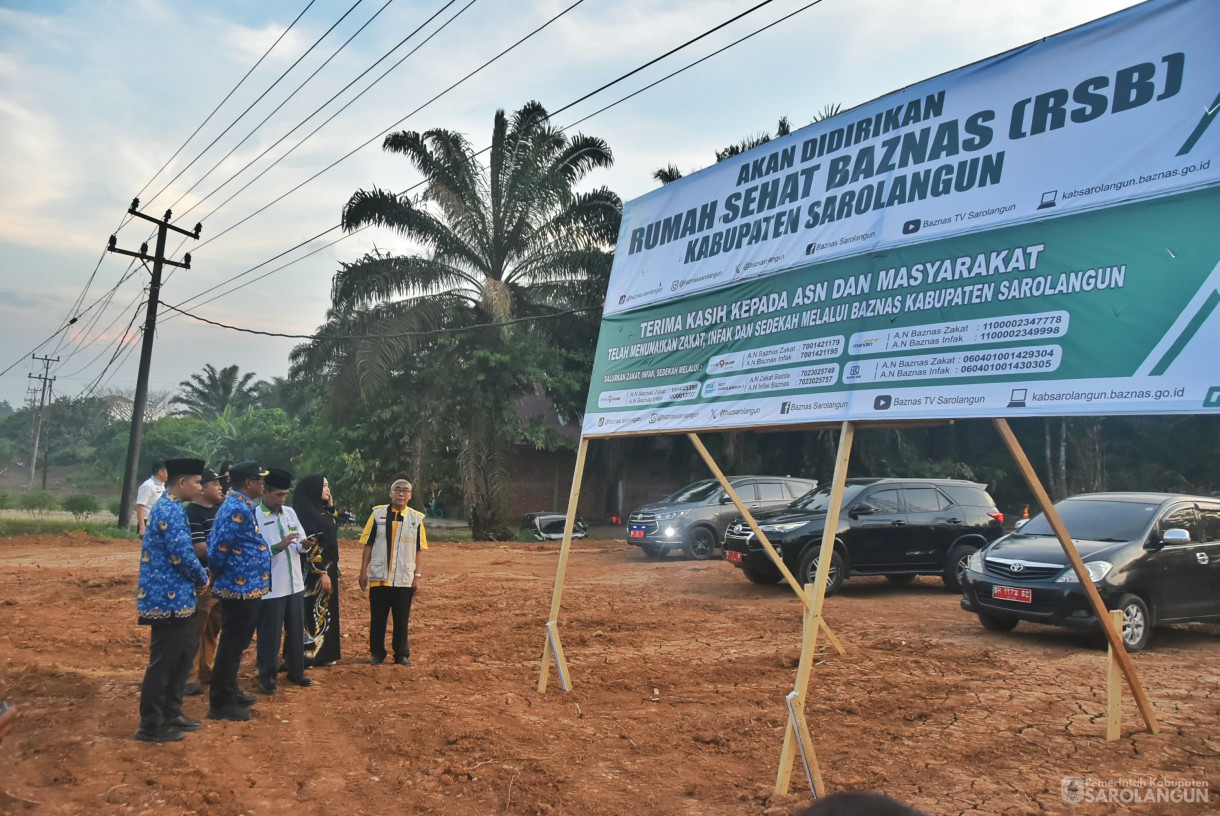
x: 813, y: 596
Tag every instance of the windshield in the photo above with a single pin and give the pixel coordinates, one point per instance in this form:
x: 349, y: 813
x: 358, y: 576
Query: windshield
x: 697, y: 492
x: 1092, y: 520
x: 816, y: 500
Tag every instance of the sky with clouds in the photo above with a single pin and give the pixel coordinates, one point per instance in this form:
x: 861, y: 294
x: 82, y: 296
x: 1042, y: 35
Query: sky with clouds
x: 96, y: 96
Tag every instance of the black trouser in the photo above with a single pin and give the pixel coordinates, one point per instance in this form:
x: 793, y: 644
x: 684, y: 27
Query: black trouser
x: 275, y: 617
x: 171, y: 651
x: 239, y: 620
x: 385, y: 601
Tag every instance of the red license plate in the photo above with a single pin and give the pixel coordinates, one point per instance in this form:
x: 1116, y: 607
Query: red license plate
x: 733, y: 556
x: 635, y: 533
x: 1004, y: 593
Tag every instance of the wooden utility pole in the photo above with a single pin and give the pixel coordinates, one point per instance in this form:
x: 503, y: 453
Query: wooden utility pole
x: 131, y: 467
x: 47, y: 379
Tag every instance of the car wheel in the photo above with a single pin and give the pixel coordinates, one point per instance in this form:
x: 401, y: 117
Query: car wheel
x: 654, y: 550
x: 702, y: 544
x: 900, y: 579
x: 1137, y: 622
x: 955, y: 566
x: 835, y: 573
x: 761, y: 575
x: 997, y: 623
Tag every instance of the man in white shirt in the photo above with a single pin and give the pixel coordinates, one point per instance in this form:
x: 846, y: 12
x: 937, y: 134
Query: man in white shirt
x: 281, y: 613
x: 148, y: 494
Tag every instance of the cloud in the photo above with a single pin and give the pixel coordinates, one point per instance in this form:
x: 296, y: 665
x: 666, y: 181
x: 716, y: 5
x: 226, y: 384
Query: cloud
x: 95, y: 97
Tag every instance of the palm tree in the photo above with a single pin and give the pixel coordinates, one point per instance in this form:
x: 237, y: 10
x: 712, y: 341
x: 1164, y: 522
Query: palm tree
x: 206, y: 395
x: 783, y: 127
x: 498, y: 242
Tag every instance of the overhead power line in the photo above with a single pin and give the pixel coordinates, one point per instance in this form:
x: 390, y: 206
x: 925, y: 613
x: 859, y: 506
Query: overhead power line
x: 619, y: 101
x: 391, y: 336
x: 73, y: 311
x: 276, y: 110
x: 325, y: 232
x: 377, y: 136
x: 321, y: 107
x: 250, y: 107
x: 686, y: 67
x: 232, y: 91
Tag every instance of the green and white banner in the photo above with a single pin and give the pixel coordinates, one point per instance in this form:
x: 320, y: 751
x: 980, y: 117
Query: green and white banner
x: 1105, y: 312
x: 1053, y: 250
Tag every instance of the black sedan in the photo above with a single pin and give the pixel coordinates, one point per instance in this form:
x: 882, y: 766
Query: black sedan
x: 1155, y: 556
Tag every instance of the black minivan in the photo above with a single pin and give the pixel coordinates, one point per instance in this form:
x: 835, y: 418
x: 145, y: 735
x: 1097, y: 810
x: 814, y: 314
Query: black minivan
x: 1155, y: 556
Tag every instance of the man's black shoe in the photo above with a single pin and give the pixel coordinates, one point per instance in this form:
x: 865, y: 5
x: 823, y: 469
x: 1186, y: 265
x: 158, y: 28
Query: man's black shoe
x: 184, y: 723
x: 403, y: 661
x: 300, y: 681
x: 233, y: 713
x: 262, y: 688
x: 376, y: 661
x: 192, y: 690
x: 163, y: 734
x: 245, y: 699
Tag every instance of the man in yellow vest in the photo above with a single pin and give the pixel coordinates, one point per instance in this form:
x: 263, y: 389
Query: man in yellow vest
x: 393, y: 538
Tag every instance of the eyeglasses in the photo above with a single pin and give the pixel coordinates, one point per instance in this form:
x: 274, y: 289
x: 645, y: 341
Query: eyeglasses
x: 400, y: 490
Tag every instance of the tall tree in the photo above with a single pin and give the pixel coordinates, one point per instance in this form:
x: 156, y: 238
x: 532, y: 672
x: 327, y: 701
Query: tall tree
x: 207, y: 394
x: 509, y: 240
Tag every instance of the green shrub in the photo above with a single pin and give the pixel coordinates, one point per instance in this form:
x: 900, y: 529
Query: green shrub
x: 15, y: 527
x: 114, y: 506
x: 82, y: 505
x: 37, y: 503
x: 6, y: 501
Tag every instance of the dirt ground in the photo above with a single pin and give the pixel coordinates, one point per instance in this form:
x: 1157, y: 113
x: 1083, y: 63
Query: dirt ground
x: 680, y: 671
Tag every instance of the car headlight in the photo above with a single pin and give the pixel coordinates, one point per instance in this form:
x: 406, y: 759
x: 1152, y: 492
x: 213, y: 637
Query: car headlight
x: 673, y: 514
x: 1097, y: 570
x: 781, y: 528
x: 975, y: 562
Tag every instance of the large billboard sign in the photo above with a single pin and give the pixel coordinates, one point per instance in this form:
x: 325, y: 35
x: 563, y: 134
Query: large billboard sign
x: 1034, y: 234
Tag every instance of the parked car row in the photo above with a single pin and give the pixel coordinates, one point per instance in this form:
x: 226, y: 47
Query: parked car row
x: 1154, y: 556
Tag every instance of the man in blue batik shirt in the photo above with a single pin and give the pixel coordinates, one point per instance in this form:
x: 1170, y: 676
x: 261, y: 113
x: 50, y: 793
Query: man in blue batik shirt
x: 169, y: 575
x: 240, y: 562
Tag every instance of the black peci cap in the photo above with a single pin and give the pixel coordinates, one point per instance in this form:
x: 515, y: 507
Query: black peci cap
x: 278, y: 479
x: 240, y: 472
x: 176, y: 468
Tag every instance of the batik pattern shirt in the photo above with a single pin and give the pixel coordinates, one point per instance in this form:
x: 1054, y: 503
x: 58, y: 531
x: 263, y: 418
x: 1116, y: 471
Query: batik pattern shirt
x: 169, y: 570
x: 238, y: 557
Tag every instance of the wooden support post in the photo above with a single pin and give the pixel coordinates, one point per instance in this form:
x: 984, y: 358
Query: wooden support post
x: 834, y: 641
x: 1114, y: 686
x: 552, y: 647
x: 1113, y: 634
x: 818, y: 591
x: 749, y: 517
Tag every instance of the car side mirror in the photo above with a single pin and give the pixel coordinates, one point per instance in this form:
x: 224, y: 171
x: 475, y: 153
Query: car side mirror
x: 862, y: 509
x: 1020, y: 523
x: 726, y: 499
x: 1175, y: 535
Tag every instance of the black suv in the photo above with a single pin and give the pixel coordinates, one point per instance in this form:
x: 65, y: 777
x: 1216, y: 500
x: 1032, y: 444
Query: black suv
x: 1155, y: 556
x: 898, y: 528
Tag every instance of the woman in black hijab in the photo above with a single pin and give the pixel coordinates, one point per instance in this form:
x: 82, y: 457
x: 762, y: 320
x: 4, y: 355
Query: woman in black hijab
x: 312, y: 503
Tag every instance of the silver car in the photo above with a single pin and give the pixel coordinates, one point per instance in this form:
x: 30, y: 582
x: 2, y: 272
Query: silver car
x: 695, y: 517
